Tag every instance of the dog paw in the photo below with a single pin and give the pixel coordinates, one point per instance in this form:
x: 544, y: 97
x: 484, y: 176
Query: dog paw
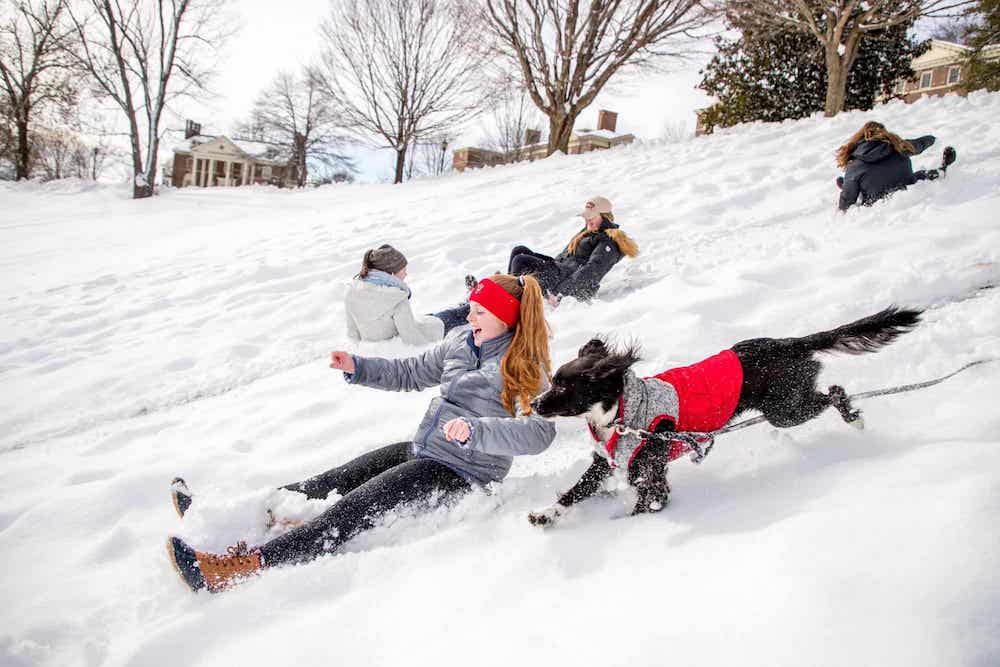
x: 545, y: 517
x: 650, y: 505
x: 858, y: 423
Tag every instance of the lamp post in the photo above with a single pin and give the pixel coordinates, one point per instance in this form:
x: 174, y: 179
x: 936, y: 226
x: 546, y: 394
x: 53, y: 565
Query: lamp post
x: 444, y: 149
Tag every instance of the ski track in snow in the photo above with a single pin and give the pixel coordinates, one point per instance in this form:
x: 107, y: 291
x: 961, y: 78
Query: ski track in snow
x: 189, y: 334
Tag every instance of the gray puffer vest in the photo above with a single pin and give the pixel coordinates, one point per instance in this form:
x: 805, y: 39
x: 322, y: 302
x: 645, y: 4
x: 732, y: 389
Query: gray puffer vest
x: 645, y: 400
x: 471, y: 384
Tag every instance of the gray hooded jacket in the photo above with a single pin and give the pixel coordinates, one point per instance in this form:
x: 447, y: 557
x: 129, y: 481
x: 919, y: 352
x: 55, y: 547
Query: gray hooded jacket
x: 471, y: 384
x: 378, y: 310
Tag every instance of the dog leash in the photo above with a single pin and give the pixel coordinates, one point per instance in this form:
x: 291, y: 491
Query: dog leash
x: 699, y: 444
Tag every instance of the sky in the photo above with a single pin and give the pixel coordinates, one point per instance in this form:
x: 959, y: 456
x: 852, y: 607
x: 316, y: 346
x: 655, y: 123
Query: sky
x: 271, y: 39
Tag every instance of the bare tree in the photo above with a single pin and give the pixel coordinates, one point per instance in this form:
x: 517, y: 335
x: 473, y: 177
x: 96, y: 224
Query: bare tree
x: 54, y: 152
x: 7, y: 140
x: 676, y: 132
x: 142, y: 54
x: 293, y: 113
x: 567, y: 50
x: 64, y: 153
x: 955, y: 31
x: 838, y: 25
x: 429, y: 156
x: 513, y: 117
x: 33, y: 67
x: 403, y: 69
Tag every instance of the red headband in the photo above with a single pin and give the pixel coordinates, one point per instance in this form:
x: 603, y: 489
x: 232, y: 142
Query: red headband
x: 497, y: 300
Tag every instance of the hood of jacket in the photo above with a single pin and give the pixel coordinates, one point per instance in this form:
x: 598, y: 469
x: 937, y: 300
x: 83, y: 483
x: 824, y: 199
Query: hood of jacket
x: 872, y: 151
x: 376, y: 277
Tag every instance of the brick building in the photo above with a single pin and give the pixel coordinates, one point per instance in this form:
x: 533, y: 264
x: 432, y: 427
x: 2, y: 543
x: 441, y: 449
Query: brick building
x: 584, y: 141
x: 211, y: 161
x: 940, y: 71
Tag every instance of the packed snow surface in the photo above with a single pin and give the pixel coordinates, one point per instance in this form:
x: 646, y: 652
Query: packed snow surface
x: 189, y: 335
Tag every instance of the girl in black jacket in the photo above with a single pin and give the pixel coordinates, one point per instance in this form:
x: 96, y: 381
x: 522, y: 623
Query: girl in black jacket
x: 577, y: 271
x: 877, y: 163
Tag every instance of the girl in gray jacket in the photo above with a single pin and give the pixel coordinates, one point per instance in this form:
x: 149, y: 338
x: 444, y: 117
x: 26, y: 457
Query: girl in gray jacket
x: 482, y: 418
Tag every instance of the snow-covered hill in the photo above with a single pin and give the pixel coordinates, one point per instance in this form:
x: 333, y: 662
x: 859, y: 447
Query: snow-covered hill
x: 189, y: 334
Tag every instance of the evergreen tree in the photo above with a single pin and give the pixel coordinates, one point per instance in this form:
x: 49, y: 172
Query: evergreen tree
x: 984, y: 31
x: 782, y: 75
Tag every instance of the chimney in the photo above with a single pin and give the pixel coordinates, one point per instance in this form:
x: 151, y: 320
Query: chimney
x: 191, y: 129
x: 607, y: 120
x: 532, y: 137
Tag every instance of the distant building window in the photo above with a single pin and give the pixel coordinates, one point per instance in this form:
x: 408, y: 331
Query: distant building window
x: 267, y: 171
x: 925, y: 79
x: 954, y: 74
x: 899, y: 88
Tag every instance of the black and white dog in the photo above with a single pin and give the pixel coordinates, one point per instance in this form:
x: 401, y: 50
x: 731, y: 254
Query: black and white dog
x: 775, y: 376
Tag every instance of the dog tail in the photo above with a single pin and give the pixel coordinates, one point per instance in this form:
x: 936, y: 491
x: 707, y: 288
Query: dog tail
x: 865, y: 335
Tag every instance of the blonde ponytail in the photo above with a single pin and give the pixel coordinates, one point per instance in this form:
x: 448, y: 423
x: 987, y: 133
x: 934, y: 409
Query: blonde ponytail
x: 527, y: 359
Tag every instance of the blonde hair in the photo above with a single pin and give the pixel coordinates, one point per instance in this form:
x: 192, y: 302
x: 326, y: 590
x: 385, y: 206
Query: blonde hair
x: 527, y: 358
x: 628, y: 247
x: 872, y: 131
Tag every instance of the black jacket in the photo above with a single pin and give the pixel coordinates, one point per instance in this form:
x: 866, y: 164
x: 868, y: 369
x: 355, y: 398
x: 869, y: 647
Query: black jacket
x: 876, y: 169
x: 582, y: 269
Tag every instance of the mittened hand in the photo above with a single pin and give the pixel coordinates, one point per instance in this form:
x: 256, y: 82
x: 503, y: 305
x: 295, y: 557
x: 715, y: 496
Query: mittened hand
x: 457, y: 430
x: 342, y: 361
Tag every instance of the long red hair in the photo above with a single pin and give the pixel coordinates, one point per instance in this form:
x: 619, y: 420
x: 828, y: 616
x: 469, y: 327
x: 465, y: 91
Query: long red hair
x: 872, y: 131
x: 526, y: 361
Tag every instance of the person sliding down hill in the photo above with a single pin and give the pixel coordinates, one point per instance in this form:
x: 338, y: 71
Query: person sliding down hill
x: 488, y: 374
x: 592, y: 252
x: 877, y: 163
x: 377, y: 304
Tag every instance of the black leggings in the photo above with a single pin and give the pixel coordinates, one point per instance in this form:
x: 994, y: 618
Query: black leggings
x: 523, y: 261
x: 372, y: 484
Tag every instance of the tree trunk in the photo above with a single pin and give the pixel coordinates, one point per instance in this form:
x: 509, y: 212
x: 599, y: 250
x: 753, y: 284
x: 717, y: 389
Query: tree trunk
x: 141, y: 187
x: 400, y: 164
x: 22, y: 160
x: 836, y: 84
x: 560, y: 132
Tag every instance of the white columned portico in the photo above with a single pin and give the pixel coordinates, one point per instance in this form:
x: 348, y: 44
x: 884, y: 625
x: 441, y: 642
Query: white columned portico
x: 246, y: 172
x: 229, y: 173
x: 211, y: 172
x: 194, y: 170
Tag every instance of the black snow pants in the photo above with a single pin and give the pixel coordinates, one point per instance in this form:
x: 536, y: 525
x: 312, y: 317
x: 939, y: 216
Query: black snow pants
x: 545, y: 269
x: 371, y: 485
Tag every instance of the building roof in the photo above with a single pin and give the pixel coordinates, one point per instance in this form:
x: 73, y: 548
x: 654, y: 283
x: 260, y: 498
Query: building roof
x: 947, y: 53
x: 259, y: 151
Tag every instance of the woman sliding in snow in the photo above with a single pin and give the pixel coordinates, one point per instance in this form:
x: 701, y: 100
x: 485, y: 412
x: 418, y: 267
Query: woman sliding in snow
x: 877, y: 163
x: 577, y: 271
x: 377, y: 304
x: 488, y: 375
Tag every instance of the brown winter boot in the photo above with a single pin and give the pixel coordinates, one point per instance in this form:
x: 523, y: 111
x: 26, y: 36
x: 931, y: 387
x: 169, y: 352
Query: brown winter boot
x: 216, y: 573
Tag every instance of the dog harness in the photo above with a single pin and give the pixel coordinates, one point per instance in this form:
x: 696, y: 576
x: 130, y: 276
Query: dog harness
x: 701, y: 397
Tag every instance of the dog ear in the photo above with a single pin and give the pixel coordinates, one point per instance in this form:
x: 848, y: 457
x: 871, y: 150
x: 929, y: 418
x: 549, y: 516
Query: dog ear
x: 615, y: 363
x: 593, y: 346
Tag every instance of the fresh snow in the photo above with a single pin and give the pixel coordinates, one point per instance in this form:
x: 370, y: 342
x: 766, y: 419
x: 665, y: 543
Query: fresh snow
x: 189, y: 335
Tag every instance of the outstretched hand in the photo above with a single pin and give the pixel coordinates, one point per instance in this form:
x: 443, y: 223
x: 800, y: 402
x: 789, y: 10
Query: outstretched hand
x: 342, y: 361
